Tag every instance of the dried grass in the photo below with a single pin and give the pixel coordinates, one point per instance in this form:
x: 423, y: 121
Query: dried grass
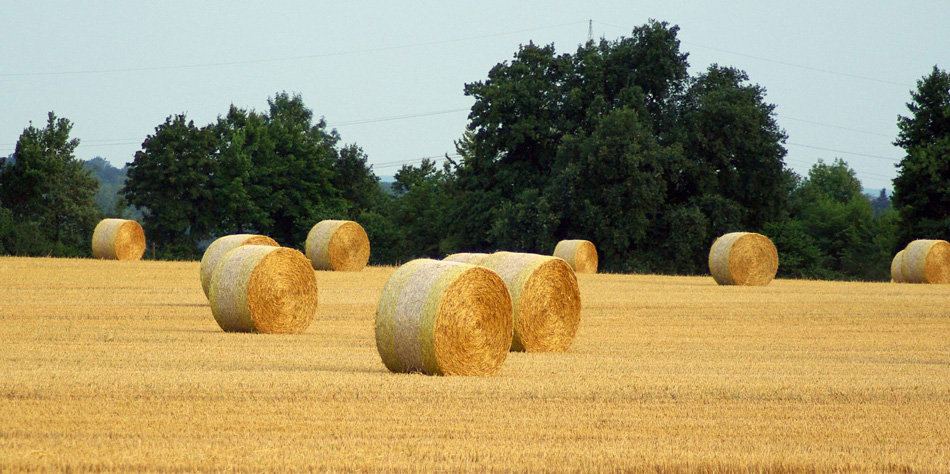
x: 444, y: 318
x: 469, y: 258
x: 580, y: 254
x: 547, y: 300
x: 926, y: 261
x: 118, y: 239
x: 340, y: 246
x: 897, y: 268
x: 223, y: 245
x: 743, y: 258
x: 265, y: 289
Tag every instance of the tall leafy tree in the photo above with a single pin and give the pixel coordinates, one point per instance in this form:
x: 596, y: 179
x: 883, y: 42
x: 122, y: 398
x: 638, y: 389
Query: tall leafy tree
x: 735, y: 146
x: 48, y: 191
x: 922, y: 185
x: 171, y: 178
x: 293, y: 172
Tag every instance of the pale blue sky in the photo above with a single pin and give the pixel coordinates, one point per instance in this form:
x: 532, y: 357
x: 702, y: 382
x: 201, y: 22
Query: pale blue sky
x: 839, y: 72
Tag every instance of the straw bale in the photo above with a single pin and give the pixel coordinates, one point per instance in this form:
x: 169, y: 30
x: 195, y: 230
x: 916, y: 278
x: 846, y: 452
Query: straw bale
x: 223, y: 245
x: 444, y: 318
x: 469, y: 258
x: 118, y: 239
x: 580, y: 254
x: 265, y: 289
x: 547, y: 300
x: 340, y: 246
x: 743, y: 258
x: 897, y: 268
x: 926, y: 261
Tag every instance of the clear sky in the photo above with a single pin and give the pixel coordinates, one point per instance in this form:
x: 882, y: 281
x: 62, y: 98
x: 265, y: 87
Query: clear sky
x: 389, y: 77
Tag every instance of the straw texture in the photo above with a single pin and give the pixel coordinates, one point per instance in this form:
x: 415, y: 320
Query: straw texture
x: 926, y: 261
x: 470, y: 258
x: 580, y: 254
x: 897, y: 268
x: 743, y: 258
x: 260, y: 288
x: 118, y: 239
x: 340, y: 246
x: 444, y: 318
x: 547, y: 300
x: 223, y: 245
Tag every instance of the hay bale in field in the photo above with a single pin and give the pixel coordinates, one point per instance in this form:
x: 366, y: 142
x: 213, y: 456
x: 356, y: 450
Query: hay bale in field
x: 340, y: 246
x: 260, y: 288
x: 926, y: 261
x: 444, y: 318
x: 220, y: 247
x: 897, y: 270
x: 546, y: 298
x: 580, y: 254
x: 743, y: 258
x: 118, y: 239
x: 469, y: 258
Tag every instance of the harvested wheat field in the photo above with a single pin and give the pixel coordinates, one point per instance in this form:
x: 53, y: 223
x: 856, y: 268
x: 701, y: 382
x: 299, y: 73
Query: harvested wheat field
x: 120, y: 366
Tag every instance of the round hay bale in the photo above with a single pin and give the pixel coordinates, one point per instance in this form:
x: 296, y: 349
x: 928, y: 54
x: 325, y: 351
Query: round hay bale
x: 547, y: 300
x: 469, y: 258
x: 743, y: 258
x: 897, y: 268
x: 444, y: 318
x: 340, y: 246
x: 260, y: 288
x: 218, y: 248
x: 118, y: 239
x: 926, y: 261
x: 580, y: 254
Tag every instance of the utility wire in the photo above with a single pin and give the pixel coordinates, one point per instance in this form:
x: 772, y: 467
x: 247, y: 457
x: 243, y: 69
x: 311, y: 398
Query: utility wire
x: 286, y: 58
x: 836, y: 126
x: 895, y: 160
x: 775, y: 61
x: 395, y: 117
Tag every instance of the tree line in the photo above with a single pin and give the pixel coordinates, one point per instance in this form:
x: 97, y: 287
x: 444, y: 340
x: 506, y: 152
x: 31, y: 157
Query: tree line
x: 615, y: 143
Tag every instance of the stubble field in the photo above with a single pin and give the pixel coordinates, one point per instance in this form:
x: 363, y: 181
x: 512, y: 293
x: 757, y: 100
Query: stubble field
x: 120, y: 366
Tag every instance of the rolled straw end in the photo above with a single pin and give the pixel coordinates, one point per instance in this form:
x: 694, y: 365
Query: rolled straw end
x: 444, y: 318
x: 340, y: 246
x: 118, y: 239
x: 217, y: 250
x: 265, y: 289
x: 580, y: 254
x: 743, y: 258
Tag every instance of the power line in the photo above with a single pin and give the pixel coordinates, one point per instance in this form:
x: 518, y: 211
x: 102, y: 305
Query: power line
x: 775, y: 61
x: 895, y: 160
x: 836, y: 126
x: 286, y: 58
x: 395, y: 117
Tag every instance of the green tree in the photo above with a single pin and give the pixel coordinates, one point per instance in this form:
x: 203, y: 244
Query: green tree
x: 171, y: 179
x: 293, y: 172
x: 922, y: 185
x: 735, y: 147
x: 421, y: 208
x: 833, y: 233
x: 49, y: 194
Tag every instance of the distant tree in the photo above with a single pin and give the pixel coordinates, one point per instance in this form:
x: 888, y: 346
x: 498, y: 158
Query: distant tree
x: 734, y: 145
x: 171, y: 180
x: 881, y: 204
x: 616, y: 144
x: 832, y: 233
x: 293, y: 172
x: 421, y: 208
x: 922, y: 186
x: 48, y: 192
x: 358, y: 185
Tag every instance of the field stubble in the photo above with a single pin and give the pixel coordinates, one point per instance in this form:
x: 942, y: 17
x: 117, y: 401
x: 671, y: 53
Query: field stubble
x: 110, y: 365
